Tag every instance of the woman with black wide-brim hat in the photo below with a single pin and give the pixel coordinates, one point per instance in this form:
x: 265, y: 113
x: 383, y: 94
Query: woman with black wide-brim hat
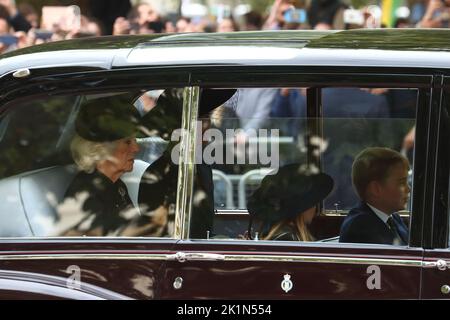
x: 286, y: 203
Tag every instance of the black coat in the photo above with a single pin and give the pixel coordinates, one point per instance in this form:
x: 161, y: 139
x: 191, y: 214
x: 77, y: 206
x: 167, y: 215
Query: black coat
x: 101, y: 205
x: 158, y: 188
x: 362, y: 225
x: 104, y: 208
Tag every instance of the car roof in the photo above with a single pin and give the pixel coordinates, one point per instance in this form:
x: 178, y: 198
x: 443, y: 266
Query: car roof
x: 427, y: 48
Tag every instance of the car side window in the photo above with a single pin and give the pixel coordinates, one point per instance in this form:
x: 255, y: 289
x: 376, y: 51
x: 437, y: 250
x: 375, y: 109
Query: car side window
x: 280, y: 172
x: 90, y: 165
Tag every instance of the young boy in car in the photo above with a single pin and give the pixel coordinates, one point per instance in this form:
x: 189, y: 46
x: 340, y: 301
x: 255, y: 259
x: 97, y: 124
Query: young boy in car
x: 380, y: 178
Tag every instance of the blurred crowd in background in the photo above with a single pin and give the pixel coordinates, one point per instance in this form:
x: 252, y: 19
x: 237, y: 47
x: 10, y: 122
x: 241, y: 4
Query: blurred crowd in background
x: 23, y: 24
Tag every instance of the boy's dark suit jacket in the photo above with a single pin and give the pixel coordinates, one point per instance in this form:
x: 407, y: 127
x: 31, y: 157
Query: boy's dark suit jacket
x: 362, y: 225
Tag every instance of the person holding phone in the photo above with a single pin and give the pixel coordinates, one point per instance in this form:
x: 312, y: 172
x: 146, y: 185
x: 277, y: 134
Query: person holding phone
x: 275, y: 21
x: 294, y: 15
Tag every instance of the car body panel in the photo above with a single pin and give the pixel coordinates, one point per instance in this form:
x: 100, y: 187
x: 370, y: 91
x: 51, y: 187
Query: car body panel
x: 434, y: 279
x: 317, y: 272
x: 108, y: 269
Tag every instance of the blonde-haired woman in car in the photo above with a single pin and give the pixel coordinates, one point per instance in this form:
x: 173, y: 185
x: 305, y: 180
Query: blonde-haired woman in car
x: 104, y: 147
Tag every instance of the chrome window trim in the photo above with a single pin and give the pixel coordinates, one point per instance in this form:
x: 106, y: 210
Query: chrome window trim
x: 330, y: 259
x: 226, y: 257
x: 327, y: 212
x: 81, y: 256
x: 186, y: 168
x: 231, y: 212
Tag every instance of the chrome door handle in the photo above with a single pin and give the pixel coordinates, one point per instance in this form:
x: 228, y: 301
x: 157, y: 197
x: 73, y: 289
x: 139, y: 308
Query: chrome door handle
x: 440, y: 264
x: 195, y: 256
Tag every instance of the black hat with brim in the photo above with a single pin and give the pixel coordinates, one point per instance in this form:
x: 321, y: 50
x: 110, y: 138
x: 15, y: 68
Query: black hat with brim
x: 108, y: 119
x: 288, y: 193
x: 166, y: 116
x: 115, y: 117
x: 213, y: 98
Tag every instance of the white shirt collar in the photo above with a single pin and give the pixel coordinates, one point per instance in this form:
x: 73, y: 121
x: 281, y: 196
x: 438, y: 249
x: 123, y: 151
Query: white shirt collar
x: 380, y: 214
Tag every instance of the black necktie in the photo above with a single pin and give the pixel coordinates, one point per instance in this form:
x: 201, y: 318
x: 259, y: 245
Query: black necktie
x: 392, y: 225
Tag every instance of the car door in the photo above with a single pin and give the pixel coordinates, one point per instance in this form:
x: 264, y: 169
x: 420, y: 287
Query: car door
x: 242, y: 270
x: 436, y: 277
x: 436, y: 267
x: 37, y: 124
x: 249, y: 269
x: 82, y: 268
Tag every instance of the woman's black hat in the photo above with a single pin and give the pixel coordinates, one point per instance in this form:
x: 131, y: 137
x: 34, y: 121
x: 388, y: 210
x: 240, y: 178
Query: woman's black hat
x: 165, y: 117
x: 108, y: 119
x: 287, y: 193
x: 115, y: 117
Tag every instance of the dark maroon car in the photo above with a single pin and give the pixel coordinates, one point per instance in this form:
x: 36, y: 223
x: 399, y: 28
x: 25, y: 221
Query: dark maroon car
x: 308, y: 97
